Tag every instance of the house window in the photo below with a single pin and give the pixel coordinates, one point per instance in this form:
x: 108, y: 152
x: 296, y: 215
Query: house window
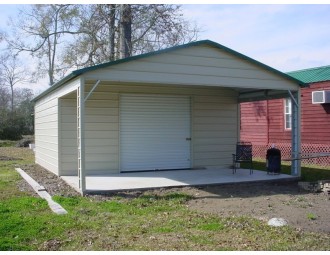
x: 287, y: 113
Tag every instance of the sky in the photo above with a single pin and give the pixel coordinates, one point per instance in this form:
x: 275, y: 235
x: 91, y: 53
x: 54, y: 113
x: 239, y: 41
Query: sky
x: 286, y: 37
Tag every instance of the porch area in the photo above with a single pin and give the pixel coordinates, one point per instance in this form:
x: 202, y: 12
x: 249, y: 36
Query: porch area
x: 165, y: 179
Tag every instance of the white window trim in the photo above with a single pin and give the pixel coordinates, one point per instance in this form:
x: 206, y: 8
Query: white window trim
x: 287, y: 112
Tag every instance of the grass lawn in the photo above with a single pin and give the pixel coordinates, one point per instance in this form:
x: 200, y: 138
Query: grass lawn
x: 308, y: 173
x: 7, y: 143
x: 149, y: 222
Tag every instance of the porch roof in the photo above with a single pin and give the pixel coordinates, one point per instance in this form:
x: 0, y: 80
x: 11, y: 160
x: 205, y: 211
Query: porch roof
x: 82, y: 71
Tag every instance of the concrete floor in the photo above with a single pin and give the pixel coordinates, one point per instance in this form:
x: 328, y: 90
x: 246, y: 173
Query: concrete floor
x: 158, y: 179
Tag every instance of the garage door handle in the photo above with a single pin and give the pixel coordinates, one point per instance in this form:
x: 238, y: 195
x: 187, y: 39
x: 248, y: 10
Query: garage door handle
x: 188, y: 139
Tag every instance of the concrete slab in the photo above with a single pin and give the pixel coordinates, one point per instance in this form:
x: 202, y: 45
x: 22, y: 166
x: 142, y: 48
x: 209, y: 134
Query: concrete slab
x: 159, y: 179
x: 41, y: 191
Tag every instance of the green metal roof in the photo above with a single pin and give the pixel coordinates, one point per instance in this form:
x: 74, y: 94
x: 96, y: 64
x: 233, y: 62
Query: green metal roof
x: 79, y: 72
x: 311, y: 75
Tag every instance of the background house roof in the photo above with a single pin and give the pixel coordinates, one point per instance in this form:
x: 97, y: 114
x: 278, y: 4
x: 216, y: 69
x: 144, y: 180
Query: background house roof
x: 311, y: 75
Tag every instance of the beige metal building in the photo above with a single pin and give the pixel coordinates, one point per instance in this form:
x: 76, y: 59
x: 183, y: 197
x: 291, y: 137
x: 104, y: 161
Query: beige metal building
x: 176, y: 108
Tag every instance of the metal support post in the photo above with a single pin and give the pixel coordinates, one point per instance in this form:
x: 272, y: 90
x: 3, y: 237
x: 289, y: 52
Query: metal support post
x: 81, y: 135
x: 295, y: 134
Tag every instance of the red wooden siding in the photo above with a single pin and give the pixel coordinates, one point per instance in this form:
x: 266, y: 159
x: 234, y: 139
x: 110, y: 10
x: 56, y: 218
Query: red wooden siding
x: 315, y: 126
x: 277, y: 131
x: 254, y: 126
x: 315, y: 120
x: 260, y: 129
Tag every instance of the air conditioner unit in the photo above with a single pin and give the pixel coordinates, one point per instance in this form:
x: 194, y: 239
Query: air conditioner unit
x: 321, y: 97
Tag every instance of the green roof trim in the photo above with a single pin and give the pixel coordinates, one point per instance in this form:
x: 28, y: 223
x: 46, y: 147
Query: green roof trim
x: 79, y: 72
x: 311, y: 75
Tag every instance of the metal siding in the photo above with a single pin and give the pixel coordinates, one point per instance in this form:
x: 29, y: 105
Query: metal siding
x: 153, y: 132
x: 68, y: 136
x: 215, y: 129
x: 46, y: 134
x: 222, y: 71
x: 203, y: 66
x: 47, y: 110
x: 102, y: 132
x: 213, y: 123
x: 192, y: 79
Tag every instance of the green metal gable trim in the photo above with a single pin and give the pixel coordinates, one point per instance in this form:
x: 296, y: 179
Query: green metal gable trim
x: 311, y: 75
x: 55, y: 86
x: 76, y: 73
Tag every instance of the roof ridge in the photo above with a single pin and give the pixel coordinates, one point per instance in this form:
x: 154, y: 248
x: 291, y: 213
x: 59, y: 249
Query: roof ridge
x: 309, y: 69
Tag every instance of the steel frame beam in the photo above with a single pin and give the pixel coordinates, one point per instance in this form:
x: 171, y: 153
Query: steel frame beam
x: 295, y: 133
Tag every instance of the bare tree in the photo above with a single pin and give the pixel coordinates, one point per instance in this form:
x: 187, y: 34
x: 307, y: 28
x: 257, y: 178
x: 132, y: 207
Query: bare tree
x: 13, y: 126
x: 12, y: 73
x: 4, y: 100
x: 4, y: 107
x: 159, y: 26
x: 24, y: 110
x: 40, y: 30
x: 96, y: 42
x: 115, y: 31
x: 63, y: 37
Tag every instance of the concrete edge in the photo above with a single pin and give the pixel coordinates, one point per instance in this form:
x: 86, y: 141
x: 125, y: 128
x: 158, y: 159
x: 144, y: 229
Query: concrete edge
x: 73, y: 186
x: 114, y: 191
x: 41, y: 191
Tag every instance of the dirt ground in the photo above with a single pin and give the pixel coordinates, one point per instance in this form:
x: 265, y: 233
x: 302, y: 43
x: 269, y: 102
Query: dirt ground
x: 303, y: 210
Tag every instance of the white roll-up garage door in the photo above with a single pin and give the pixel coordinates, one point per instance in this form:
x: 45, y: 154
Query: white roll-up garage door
x: 154, y: 132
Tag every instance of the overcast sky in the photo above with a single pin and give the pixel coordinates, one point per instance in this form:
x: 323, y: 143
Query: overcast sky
x: 285, y: 37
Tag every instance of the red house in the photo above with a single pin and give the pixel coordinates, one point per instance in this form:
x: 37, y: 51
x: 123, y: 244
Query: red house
x: 269, y: 122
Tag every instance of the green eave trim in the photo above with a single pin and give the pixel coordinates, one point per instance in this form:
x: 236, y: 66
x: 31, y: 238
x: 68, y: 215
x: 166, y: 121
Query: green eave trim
x: 55, y: 86
x: 76, y: 73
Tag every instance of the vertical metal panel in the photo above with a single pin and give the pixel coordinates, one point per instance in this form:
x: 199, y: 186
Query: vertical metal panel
x: 154, y: 132
x: 215, y: 124
x: 46, y: 133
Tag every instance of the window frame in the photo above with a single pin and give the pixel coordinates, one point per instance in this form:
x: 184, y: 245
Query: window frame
x: 287, y: 114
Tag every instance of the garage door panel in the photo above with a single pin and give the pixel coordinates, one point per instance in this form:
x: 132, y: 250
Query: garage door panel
x: 153, y: 133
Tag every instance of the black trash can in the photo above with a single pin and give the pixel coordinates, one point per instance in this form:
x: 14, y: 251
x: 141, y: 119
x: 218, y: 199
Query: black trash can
x: 273, y: 158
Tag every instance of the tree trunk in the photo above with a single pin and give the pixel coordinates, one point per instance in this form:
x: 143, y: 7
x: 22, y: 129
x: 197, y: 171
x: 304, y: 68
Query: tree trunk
x: 12, y: 113
x: 12, y: 100
x: 125, y: 31
x: 112, y: 30
x: 50, y: 63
